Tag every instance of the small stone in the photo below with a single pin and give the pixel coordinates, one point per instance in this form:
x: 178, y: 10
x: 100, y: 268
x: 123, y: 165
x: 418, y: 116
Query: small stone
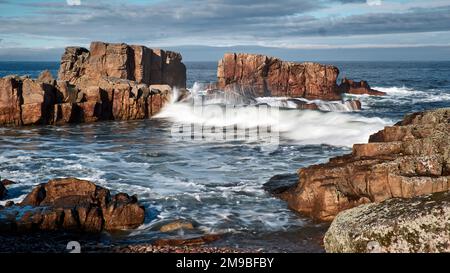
x: 176, y: 225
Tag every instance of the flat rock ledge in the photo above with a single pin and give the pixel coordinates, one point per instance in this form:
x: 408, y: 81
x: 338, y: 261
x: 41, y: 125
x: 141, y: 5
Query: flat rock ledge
x: 70, y: 204
x: 420, y: 224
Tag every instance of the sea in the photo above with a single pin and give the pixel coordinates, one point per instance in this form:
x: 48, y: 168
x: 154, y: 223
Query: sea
x: 217, y: 183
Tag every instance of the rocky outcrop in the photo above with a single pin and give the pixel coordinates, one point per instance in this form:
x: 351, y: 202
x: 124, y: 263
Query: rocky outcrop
x: 409, y: 159
x: 25, y: 101
x: 110, y: 82
x: 83, y: 67
x: 267, y: 76
x: 358, y: 88
x: 72, y: 205
x: 420, y: 224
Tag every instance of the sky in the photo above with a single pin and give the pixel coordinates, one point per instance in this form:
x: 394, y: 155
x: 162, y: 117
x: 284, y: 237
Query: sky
x: 202, y: 30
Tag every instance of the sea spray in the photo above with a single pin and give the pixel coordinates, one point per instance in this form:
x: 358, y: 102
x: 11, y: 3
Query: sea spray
x: 302, y: 127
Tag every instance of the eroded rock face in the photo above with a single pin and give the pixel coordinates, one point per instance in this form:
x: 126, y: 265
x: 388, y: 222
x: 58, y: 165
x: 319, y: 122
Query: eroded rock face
x: 409, y: 159
x: 73, y: 205
x: 267, y: 76
x: 420, y: 224
x: 84, y: 67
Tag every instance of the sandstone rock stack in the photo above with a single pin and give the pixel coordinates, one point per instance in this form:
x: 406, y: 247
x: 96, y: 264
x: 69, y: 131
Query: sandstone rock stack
x: 109, y: 82
x: 264, y: 76
x: 409, y: 159
x: 121, y: 61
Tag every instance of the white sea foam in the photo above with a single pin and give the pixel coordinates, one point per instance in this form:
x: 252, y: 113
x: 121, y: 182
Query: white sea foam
x: 292, y: 103
x: 399, y: 91
x: 303, y: 127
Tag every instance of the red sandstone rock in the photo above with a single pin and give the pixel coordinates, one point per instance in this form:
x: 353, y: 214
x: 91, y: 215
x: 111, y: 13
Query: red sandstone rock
x: 10, y: 101
x: 110, y: 82
x: 135, y: 63
x: 72, y: 205
x: 263, y: 76
x: 358, y: 88
x: 406, y: 160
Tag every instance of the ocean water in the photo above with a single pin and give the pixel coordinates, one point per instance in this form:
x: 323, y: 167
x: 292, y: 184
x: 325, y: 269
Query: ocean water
x: 217, y: 183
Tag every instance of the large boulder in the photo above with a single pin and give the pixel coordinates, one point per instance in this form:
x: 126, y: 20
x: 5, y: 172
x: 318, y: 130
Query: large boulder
x: 409, y: 159
x: 262, y: 76
x: 74, y: 205
x: 420, y: 224
x: 83, y: 67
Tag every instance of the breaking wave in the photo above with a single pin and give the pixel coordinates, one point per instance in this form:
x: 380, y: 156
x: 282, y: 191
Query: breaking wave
x: 331, y: 126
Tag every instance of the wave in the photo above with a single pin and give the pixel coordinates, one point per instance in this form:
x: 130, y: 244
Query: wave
x: 293, y: 103
x: 399, y: 91
x: 402, y: 95
x: 302, y: 127
x: 199, y: 91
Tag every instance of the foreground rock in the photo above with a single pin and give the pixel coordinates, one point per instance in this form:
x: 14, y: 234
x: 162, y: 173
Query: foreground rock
x: 110, y: 82
x: 263, y: 76
x: 409, y: 159
x: 71, y: 204
x: 420, y: 224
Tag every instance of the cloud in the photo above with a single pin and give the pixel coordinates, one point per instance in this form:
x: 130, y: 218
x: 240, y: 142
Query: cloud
x: 219, y: 22
x: 73, y: 2
x: 374, y: 2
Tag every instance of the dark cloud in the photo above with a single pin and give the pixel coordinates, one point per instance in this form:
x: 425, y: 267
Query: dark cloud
x: 413, y: 21
x: 212, y: 21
